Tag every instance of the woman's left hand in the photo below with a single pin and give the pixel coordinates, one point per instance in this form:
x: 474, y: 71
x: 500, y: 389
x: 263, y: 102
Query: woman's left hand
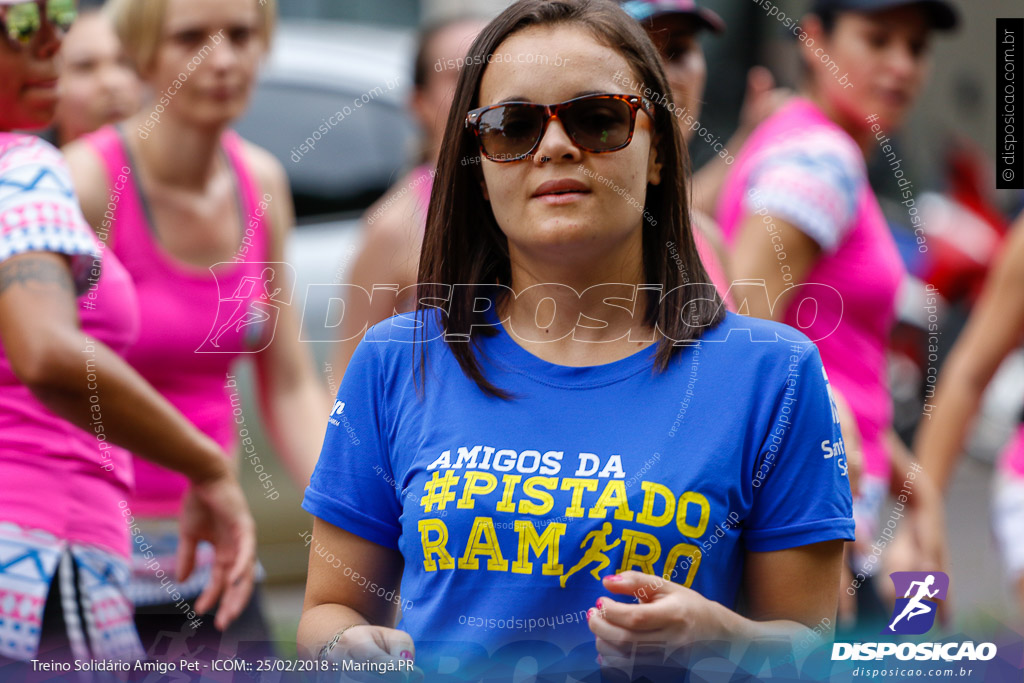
x: 668, y: 617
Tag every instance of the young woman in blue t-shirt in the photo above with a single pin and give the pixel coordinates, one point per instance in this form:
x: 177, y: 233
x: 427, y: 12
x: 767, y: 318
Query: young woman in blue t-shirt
x: 570, y: 445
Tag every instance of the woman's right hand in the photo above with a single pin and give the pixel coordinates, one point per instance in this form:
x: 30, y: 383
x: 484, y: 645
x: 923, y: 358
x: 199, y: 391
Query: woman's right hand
x: 215, y: 510
x: 378, y: 644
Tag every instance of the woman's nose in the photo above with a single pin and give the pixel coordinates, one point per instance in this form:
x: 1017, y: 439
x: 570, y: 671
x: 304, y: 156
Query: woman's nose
x: 556, y: 143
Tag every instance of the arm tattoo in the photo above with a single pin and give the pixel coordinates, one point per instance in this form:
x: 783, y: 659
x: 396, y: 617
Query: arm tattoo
x: 35, y: 271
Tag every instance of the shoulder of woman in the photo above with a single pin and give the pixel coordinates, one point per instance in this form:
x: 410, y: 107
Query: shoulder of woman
x: 271, y: 180
x: 756, y: 340
x: 267, y: 170
x: 397, y: 212
x: 397, y: 338
x: 89, y: 177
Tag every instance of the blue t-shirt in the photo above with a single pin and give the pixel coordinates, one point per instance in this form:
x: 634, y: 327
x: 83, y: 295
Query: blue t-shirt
x: 508, y: 512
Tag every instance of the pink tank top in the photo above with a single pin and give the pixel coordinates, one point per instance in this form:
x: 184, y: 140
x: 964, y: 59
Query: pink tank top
x: 800, y: 166
x: 194, y: 321
x: 54, y: 476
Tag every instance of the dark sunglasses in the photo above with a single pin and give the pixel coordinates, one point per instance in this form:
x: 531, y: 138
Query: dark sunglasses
x: 23, y: 21
x: 512, y: 131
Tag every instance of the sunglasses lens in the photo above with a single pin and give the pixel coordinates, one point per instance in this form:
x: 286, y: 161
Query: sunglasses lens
x: 598, y: 124
x: 510, y: 131
x: 23, y: 22
x: 61, y: 13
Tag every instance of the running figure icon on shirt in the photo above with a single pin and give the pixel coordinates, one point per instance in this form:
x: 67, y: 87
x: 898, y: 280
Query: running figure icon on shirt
x: 594, y: 554
x: 917, y: 606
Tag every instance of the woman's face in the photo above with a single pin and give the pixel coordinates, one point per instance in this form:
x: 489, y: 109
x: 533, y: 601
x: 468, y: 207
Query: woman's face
x: 432, y: 102
x: 549, y: 65
x: 28, y: 81
x: 97, y: 82
x: 886, y: 57
x: 207, y: 60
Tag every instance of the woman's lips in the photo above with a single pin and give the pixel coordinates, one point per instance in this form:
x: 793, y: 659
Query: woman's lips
x: 561, y: 198
x: 224, y: 92
x: 565, y: 191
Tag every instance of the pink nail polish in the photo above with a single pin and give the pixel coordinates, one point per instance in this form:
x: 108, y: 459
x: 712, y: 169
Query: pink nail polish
x: 405, y: 654
x: 600, y: 660
x: 613, y: 577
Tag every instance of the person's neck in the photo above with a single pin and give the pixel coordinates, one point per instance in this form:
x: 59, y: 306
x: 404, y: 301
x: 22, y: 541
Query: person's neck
x: 178, y: 154
x: 559, y: 311
x: 858, y: 130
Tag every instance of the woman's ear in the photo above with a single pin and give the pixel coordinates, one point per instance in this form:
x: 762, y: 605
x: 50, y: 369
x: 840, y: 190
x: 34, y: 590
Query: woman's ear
x: 654, y: 163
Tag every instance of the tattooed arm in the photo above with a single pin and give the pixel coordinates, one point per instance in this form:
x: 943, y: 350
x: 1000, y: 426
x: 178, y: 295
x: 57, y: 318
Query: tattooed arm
x: 44, y: 344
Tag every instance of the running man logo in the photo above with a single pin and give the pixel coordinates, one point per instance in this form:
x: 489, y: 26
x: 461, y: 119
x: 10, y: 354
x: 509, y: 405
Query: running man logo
x: 251, y: 309
x: 594, y: 554
x: 914, y: 613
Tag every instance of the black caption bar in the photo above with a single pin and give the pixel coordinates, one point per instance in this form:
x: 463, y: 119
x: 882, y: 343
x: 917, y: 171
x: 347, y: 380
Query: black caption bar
x: 1009, y: 112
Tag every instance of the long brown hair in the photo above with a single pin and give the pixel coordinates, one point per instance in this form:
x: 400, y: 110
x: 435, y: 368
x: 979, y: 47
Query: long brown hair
x: 463, y: 243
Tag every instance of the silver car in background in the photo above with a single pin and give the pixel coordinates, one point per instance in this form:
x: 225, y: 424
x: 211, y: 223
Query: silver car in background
x: 331, y: 106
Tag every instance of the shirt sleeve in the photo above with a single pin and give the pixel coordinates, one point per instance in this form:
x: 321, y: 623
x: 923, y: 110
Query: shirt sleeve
x: 814, y: 185
x: 39, y: 210
x: 801, y: 490
x: 353, y: 486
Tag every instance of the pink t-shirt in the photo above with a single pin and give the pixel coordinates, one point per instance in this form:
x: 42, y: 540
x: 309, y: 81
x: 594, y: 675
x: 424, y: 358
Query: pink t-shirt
x: 194, y: 322
x: 800, y: 167
x: 53, y: 475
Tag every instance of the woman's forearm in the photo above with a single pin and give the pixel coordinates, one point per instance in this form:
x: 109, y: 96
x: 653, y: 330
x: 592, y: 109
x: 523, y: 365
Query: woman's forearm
x: 95, y: 389
x: 941, y: 435
x: 319, y: 624
x: 744, y: 629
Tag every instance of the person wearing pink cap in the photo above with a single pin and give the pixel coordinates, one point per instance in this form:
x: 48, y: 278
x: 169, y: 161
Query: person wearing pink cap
x: 71, y: 409
x: 801, y: 217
